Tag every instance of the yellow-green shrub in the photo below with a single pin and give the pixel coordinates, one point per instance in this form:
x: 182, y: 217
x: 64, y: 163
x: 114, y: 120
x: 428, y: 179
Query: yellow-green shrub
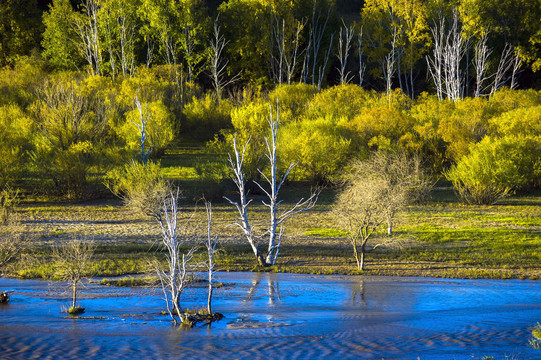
x: 495, y: 167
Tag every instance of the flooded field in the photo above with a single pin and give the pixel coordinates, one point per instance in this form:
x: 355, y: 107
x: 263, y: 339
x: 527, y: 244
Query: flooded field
x: 280, y: 316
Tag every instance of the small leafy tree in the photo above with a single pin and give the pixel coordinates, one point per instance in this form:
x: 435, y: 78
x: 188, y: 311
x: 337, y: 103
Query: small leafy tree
x: 73, y: 264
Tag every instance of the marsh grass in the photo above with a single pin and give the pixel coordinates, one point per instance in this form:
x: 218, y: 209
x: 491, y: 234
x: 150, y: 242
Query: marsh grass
x: 442, y: 238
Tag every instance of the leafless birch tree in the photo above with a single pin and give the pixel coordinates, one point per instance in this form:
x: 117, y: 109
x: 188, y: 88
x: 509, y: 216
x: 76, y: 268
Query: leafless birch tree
x: 445, y: 65
x: 278, y: 218
x: 287, y: 44
x: 480, y: 58
x: 174, y: 279
x: 388, y: 65
x: 87, y: 28
x: 217, y: 63
x: 435, y: 63
x: 509, y: 62
x: 243, y: 222
x: 210, y: 243
x: 144, y: 117
x: 345, y: 38
x: 362, y: 66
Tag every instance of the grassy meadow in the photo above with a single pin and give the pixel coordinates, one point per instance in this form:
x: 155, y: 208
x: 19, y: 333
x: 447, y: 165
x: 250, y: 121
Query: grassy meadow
x: 440, y: 238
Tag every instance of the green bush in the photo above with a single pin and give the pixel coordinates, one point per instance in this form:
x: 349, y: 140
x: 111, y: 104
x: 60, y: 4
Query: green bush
x: 206, y: 117
x: 141, y: 186
x: 496, y: 167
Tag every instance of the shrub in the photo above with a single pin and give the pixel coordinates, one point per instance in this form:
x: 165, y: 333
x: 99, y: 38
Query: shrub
x: 159, y: 129
x: 316, y: 146
x: 141, y: 186
x: 15, y: 132
x: 496, y: 167
x: 206, y: 117
x: 9, y: 198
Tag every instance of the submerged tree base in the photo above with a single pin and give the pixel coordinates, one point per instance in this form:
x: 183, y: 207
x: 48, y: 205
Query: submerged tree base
x: 76, y: 310
x: 193, y: 320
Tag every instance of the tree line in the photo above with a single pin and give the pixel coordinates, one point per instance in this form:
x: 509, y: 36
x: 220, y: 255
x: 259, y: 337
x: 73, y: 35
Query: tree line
x: 453, y: 48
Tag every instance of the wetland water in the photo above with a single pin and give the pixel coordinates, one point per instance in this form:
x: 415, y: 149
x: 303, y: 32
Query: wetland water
x: 280, y: 316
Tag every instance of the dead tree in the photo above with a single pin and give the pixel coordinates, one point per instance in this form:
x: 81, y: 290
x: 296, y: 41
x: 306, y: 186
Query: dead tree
x: 287, y: 44
x: 362, y: 66
x: 345, y: 38
x: 445, y: 65
x: 210, y: 244
x: 509, y: 62
x: 174, y: 279
x: 315, y: 38
x: 275, y: 230
x: 480, y: 57
x: 243, y: 222
x: 144, y: 118
x: 87, y: 29
x: 388, y: 65
x: 277, y: 219
x: 435, y: 63
x: 217, y: 63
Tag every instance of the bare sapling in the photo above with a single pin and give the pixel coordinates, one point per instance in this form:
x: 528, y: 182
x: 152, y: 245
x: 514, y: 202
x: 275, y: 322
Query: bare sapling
x: 210, y: 243
x: 373, y: 193
x: 174, y: 279
x: 144, y: 118
x: 73, y: 263
x: 345, y: 39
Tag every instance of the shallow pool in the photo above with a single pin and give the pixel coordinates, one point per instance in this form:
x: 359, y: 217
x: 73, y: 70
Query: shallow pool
x: 279, y: 316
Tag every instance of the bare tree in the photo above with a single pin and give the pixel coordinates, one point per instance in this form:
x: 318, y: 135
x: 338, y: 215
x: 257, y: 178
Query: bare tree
x: 87, y: 28
x: 435, y: 63
x: 480, y: 57
x: 243, y: 222
x: 388, y: 65
x: 210, y: 244
x: 287, y: 44
x: 73, y: 263
x: 509, y: 62
x: 445, y: 65
x: 275, y: 230
x: 174, y: 279
x: 277, y: 219
x: 373, y: 193
x: 126, y: 31
x: 217, y: 63
x: 345, y: 38
x: 144, y: 118
x: 362, y: 66
x: 315, y: 38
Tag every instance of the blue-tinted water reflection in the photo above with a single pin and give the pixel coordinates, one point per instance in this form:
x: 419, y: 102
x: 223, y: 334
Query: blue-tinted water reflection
x: 282, y: 316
